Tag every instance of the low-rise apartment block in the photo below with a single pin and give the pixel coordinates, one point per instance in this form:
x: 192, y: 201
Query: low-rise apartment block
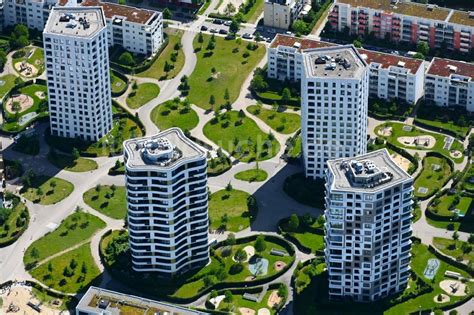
x: 98, y: 301
x: 281, y: 13
x: 450, y: 83
x: 404, y: 21
x: 391, y: 76
x: 368, y: 227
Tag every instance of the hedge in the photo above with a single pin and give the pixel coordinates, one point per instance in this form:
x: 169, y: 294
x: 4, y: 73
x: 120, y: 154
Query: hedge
x: 418, y: 123
x: 450, y: 261
x: 124, y: 78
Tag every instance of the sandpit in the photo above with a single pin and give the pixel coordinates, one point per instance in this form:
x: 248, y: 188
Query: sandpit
x: 40, y: 94
x: 385, y: 132
x: 279, y: 265
x: 246, y: 311
x: 444, y: 298
x: 401, y: 161
x: 217, y: 300
x: 19, y: 296
x: 250, y: 250
x: 453, y: 287
x: 273, y: 299
x: 455, y: 154
x: 425, y: 141
x: 264, y: 311
x: 26, y: 69
x: 250, y: 278
x: 23, y: 100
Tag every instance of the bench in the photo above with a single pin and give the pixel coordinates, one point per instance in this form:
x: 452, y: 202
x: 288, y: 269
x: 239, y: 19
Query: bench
x: 250, y: 297
x: 277, y: 252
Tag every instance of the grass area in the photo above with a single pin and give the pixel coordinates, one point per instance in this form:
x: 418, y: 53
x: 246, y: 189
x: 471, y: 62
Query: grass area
x: 309, y: 233
x: 457, y: 249
x: 231, y: 210
x: 118, y: 85
x: 174, y: 114
x: 76, y: 228
x: 468, y: 179
x: 36, y: 58
x: 144, y: 93
x: 294, y: 147
x: 47, y: 190
x: 218, y: 165
x: 397, y: 131
x: 14, y: 221
x: 252, y: 15
x: 122, y: 129
x: 252, y: 175
x: 447, y: 205
x: 433, y: 176
x: 389, y: 110
x: 157, y: 69
x: 280, y: 121
x: 239, y: 301
x: 232, y: 66
x: 59, y: 274
x: 241, y: 137
x: 8, y: 83
x: 109, y: 200
x: 271, y: 91
x: 456, y: 119
x: 304, y: 190
x: 69, y: 163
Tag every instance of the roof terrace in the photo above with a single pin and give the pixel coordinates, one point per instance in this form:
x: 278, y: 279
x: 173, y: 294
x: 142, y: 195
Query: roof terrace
x: 75, y: 21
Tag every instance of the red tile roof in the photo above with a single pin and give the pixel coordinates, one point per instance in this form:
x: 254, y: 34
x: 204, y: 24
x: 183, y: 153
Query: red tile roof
x: 440, y: 67
x: 131, y: 14
x: 387, y: 60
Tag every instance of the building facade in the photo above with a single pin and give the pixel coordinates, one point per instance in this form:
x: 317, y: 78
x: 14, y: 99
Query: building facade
x: 32, y: 13
x: 281, y: 13
x: 368, y: 227
x: 450, y: 83
x: 167, y: 200
x: 334, y: 100
x: 404, y: 21
x: 78, y: 74
x: 391, y: 76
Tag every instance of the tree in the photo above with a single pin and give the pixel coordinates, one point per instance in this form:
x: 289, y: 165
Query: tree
x: 240, y: 255
x: 419, y: 56
x: 229, y: 187
x: 294, y: 222
x: 75, y: 153
x: 455, y: 236
x: 98, y: 187
x: 84, y: 267
x: 19, y: 37
x: 357, y: 43
x: 286, y: 95
x: 228, y: 297
x: 214, y: 294
x: 423, y: 48
x: 234, y: 26
x: 34, y: 253
x: 73, y: 264
x: 258, y: 84
x: 230, y: 241
x: 167, y: 14
x: 226, y: 94
x: 229, y: 9
x: 50, y: 267
x: 299, y: 27
x: 53, y: 184
x: 200, y: 38
x: 260, y: 244
x: 212, y: 100
x: 471, y: 239
x: 282, y: 291
x: 3, y: 59
x: 127, y: 59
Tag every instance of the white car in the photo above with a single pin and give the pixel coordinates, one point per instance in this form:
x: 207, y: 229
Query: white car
x: 227, y: 23
x: 213, y: 30
x: 247, y: 36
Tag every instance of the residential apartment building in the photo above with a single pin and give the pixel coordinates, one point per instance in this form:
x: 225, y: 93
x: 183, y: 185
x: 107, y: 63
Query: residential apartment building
x: 99, y: 301
x: 77, y: 70
x: 137, y: 30
x: 334, y: 97
x: 167, y: 200
x: 391, y: 76
x: 404, y: 21
x: 450, y: 83
x: 368, y: 227
x: 281, y: 13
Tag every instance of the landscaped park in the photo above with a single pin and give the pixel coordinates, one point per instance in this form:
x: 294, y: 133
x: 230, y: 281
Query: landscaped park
x: 14, y: 218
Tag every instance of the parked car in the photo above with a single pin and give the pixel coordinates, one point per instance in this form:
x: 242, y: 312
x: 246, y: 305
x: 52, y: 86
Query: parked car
x: 223, y: 31
x: 204, y: 28
x: 227, y: 23
x: 247, y: 36
x: 230, y: 36
x: 218, y: 21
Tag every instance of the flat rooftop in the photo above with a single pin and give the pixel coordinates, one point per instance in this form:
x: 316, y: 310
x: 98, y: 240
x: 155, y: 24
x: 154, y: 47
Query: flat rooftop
x: 164, y: 150
x: 462, y: 17
x: 432, y: 12
x: 130, y: 14
x: 334, y: 62
x: 298, y: 42
x: 369, y: 172
x: 447, y: 67
x: 75, y: 21
x: 116, y: 303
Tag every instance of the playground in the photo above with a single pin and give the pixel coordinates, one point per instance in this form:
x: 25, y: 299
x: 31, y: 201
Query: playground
x: 426, y: 141
x: 258, y: 266
x: 21, y: 300
x: 26, y: 69
x: 19, y: 103
x: 453, y: 287
x: 431, y: 268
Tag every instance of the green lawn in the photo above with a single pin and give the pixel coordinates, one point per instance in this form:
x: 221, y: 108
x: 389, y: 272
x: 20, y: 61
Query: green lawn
x: 397, y: 131
x: 231, y: 70
x: 239, y: 301
x: 241, y: 137
x: 47, y: 190
x: 468, y: 179
x: 253, y: 14
x: 430, y: 178
x: 53, y: 273
x: 280, y: 121
x: 304, y: 190
x: 118, y: 85
x: 144, y: 93
x: 218, y: 165
x: 456, y: 120
x: 76, y: 228
x: 111, y: 202
x: 455, y: 249
x: 15, y: 221
x: 8, y: 83
x: 170, y: 114
x: 311, y: 236
x: 295, y: 150
x: 36, y: 59
x: 235, y: 205
x: 157, y: 70
x: 446, y: 205
x: 252, y: 175
x: 68, y: 163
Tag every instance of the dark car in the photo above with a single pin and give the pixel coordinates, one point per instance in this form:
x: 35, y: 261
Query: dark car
x: 223, y: 31
x: 204, y: 28
x: 217, y: 21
